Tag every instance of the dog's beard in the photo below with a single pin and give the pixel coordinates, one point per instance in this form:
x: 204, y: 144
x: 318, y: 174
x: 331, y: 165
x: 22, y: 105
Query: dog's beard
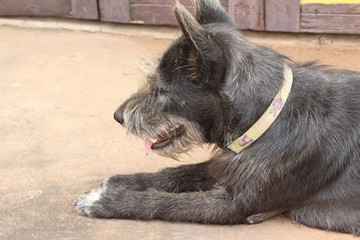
x: 163, y: 133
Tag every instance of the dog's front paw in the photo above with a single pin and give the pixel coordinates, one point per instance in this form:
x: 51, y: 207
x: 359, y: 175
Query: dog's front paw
x: 93, y: 204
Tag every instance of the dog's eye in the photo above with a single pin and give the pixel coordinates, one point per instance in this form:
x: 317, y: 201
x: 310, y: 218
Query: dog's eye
x: 160, y: 91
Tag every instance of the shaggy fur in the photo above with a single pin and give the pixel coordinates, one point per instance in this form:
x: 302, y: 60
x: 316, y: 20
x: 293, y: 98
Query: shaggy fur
x: 210, y: 86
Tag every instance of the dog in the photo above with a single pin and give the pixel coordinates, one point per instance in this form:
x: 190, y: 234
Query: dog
x: 286, y: 134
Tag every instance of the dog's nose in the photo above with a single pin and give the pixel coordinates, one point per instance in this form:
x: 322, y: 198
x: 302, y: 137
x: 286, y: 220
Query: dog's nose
x: 118, y: 116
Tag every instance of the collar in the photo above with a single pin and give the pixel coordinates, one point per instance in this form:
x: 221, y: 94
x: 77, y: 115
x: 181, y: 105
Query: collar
x: 267, y: 119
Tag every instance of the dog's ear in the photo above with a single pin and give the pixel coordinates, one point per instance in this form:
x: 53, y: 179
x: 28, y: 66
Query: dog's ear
x: 206, y: 57
x: 195, y: 34
x: 211, y: 11
x: 192, y: 29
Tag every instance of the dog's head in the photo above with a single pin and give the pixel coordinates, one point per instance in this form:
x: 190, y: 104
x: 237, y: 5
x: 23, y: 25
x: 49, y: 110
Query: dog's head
x: 182, y: 103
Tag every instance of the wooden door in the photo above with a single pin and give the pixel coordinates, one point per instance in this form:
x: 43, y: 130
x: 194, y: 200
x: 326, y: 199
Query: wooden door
x: 81, y: 9
x: 316, y: 16
x: 330, y: 16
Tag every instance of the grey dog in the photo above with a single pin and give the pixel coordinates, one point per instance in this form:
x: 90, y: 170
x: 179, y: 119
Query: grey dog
x: 211, y: 86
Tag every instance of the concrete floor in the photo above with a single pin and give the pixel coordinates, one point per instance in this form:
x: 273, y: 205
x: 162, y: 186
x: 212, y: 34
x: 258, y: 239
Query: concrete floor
x: 59, y: 89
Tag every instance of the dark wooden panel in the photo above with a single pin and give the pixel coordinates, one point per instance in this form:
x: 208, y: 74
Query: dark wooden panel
x: 85, y: 9
x: 156, y: 14
x: 247, y: 14
x: 330, y: 23
x: 115, y: 10
x: 170, y: 2
x: 35, y: 7
x: 331, y: 8
x: 283, y: 16
x: 153, y: 14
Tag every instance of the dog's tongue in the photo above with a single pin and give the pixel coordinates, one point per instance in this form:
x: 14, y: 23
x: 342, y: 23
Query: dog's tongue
x: 148, y: 145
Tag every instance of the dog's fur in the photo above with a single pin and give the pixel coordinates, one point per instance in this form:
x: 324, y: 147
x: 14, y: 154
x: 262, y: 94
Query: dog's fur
x: 210, y: 86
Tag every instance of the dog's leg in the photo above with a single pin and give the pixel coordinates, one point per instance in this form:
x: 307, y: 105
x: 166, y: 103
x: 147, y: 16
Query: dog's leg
x: 185, y: 178
x: 335, y: 215
x: 214, y: 206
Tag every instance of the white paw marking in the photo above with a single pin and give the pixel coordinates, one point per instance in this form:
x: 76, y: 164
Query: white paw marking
x: 86, y: 201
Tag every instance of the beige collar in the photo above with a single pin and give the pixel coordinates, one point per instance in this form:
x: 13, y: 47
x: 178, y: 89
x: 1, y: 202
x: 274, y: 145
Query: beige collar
x: 270, y: 115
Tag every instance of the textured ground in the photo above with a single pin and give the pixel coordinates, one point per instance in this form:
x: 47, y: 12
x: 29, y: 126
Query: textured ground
x: 58, y: 91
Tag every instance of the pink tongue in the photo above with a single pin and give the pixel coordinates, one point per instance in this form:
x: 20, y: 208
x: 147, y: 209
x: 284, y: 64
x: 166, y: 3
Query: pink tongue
x: 148, y: 145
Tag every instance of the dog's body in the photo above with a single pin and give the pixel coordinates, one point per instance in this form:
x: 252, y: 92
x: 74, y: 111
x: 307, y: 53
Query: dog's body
x: 210, y: 87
